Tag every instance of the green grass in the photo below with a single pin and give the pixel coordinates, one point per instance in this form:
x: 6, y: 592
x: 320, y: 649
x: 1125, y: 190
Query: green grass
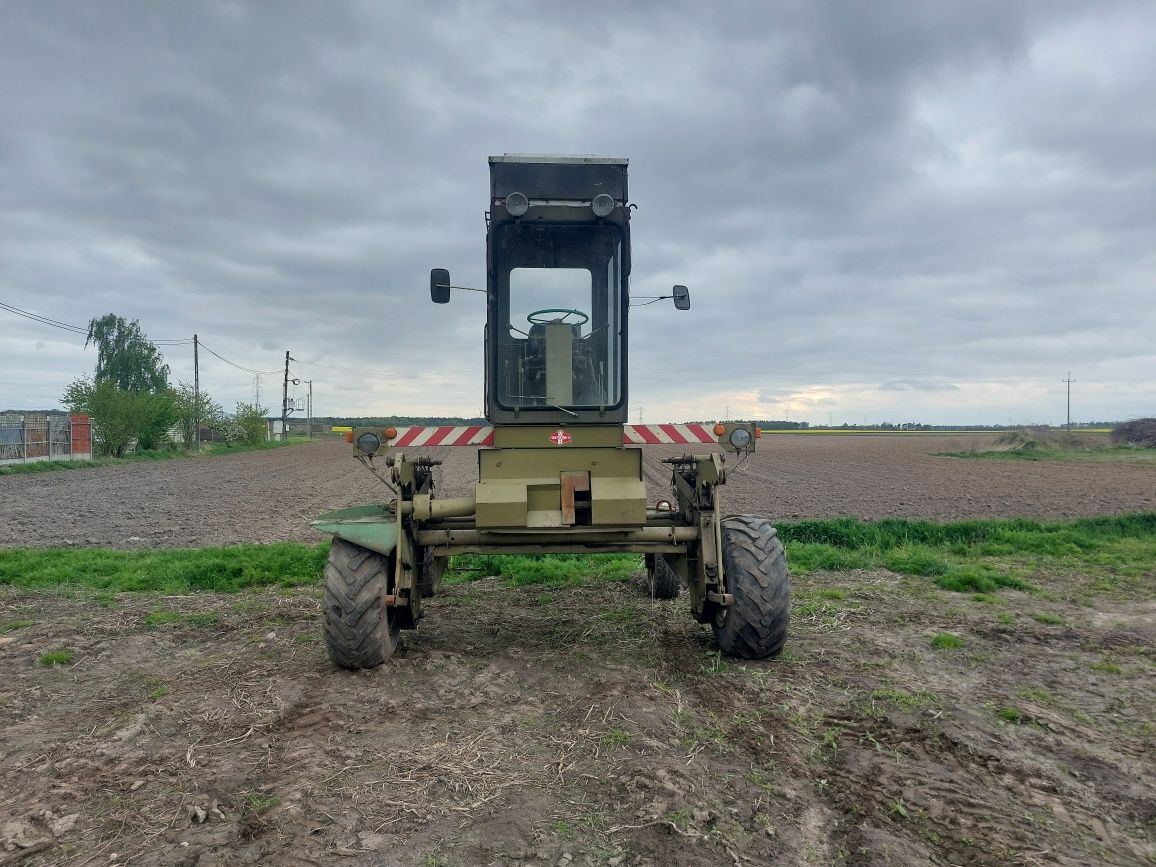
x: 217, y: 570
x: 1011, y: 715
x: 56, y: 657
x: 980, y: 557
x: 946, y: 641
x: 1048, y: 618
x: 519, y: 570
x: 207, y: 450
x: 13, y: 625
x: 1115, y: 554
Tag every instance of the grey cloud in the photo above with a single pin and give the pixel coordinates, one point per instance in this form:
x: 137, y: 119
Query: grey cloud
x: 857, y: 194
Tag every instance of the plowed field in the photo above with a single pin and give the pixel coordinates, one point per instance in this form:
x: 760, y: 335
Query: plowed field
x: 272, y: 495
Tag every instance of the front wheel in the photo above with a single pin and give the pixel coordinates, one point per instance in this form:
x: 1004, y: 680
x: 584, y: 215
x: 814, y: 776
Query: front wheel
x: 361, y: 631
x: 754, y: 626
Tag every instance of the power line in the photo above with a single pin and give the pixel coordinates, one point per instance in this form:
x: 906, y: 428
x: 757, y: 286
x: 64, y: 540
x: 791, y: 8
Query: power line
x: 44, y: 320
x: 55, y: 323
x: 234, y: 364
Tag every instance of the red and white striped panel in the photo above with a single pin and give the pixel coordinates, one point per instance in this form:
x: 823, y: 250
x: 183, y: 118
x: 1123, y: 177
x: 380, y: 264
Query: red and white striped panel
x: 664, y: 434
x: 482, y: 435
x: 446, y: 435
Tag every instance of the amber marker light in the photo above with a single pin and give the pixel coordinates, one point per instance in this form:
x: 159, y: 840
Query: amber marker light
x: 349, y: 436
x: 720, y: 429
x: 390, y: 433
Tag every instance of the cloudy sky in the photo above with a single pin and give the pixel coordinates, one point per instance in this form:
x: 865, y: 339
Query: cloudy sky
x: 904, y: 210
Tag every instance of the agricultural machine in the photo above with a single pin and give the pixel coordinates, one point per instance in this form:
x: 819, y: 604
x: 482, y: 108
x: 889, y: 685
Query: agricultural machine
x: 556, y: 474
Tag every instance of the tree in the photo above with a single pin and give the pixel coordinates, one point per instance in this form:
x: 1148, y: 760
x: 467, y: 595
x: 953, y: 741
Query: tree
x: 119, y: 416
x: 128, y: 395
x: 189, y: 408
x: 125, y: 357
x: 250, y: 424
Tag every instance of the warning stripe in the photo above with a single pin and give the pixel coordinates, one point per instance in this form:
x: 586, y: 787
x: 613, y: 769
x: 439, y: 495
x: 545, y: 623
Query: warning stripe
x: 483, y: 435
x: 444, y: 435
x: 667, y: 434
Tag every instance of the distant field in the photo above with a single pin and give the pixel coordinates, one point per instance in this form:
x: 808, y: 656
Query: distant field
x: 884, y: 431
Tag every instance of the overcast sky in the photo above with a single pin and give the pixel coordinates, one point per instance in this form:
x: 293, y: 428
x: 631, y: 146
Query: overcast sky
x: 886, y: 211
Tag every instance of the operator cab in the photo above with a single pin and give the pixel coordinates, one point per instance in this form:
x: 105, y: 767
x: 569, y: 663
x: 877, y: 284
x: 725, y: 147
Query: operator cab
x: 558, y: 256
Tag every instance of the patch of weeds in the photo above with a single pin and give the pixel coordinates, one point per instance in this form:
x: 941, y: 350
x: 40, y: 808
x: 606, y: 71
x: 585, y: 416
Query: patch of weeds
x: 255, y: 801
x: 714, y: 663
x: 916, y: 561
x: 56, y: 657
x: 1010, y: 715
x: 898, y: 808
x: 306, y: 638
x: 978, y: 578
x: 757, y: 777
x: 681, y: 819
x: 105, y: 599
x: 985, y: 598
x: 563, y: 828
x: 207, y: 618
x: 946, y: 641
x: 1006, y: 618
x: 616, y: 737
x: 1048, y: 618
x: 13, y: 625
x: 1037, y: 694
x: 828, y: 746
x: 159, y: 693
x: 1107, y: 667
x: 695, y: 733
x: 566, y: 570
x: 173, y: 571
x: 833, y: 593
x: 162, y: 617
x: 902, y: 699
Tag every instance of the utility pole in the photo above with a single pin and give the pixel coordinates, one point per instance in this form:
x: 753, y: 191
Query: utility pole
x: 285, y: 399
x: 309, y: 408
x: 196, y: 393
x: 1069, y: 381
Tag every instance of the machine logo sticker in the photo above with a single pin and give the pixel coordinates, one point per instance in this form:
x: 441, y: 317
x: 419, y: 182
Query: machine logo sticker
x: 560, y: 438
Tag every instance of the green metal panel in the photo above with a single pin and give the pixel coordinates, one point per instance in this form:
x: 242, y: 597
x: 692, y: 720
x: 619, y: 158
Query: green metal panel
x: 534, y: 463
x: 539, y: 436
x: 372, y: 527
x: 617, y: 501
x: 501, y: 503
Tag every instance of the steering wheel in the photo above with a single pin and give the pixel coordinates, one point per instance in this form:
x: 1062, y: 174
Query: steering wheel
x: 531, y: 318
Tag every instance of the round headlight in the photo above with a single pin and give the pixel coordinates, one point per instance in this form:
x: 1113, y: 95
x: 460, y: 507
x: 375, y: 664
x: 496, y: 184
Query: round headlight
x: 603, y: 205
x: 517, y: 204
x: 368, y: 443
x: 740, y: 438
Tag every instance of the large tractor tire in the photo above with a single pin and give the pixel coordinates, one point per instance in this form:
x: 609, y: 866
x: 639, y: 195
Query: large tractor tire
x: 360, y: 629
x: 662, y: 580
x: 755, y: 625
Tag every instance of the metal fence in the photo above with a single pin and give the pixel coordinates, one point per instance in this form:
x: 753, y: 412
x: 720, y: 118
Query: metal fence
x: 44, y: 437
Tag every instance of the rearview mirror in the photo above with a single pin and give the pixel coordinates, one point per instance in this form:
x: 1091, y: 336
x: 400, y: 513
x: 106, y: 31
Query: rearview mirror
x: 681, y: 298
x: 439, y: 286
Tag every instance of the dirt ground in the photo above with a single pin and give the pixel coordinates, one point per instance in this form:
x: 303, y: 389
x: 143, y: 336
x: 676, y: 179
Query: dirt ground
x: 583, y: 725
x: 567, y: 727
x: 272, y: 495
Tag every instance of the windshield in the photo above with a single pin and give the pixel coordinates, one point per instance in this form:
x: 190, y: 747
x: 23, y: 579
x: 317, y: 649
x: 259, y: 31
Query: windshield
x: 557, y: 309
